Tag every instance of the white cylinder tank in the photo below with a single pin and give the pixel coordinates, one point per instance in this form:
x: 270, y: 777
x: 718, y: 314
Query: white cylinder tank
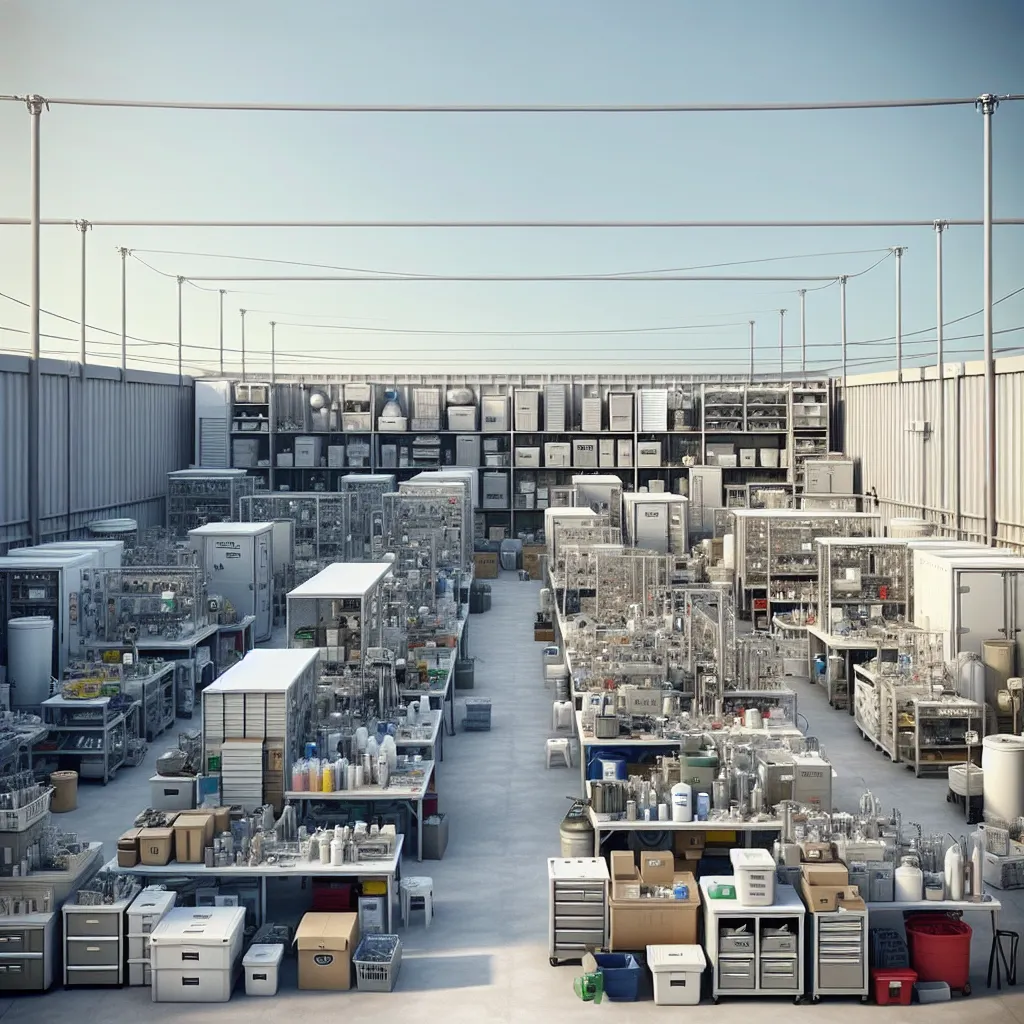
x: 729, y: 551
x: 29, y: 660
x: 1002, y: 758
x: 115, y: 529
x: 908, y: 526
x: 999, y: 657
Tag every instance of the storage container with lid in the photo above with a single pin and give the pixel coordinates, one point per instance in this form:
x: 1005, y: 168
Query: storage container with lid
x: 262, y: 964
x: 198, y: 938
x: 676, y: 971
x: 755, y: 877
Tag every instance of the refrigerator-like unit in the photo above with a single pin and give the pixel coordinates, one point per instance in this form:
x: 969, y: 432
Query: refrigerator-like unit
x: 656, y: 522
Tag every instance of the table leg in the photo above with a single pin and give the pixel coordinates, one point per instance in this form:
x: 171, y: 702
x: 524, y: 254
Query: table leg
x: 389, y: 884
x: 263, y: 900
x: 439, y: 753
x: 419, y: 829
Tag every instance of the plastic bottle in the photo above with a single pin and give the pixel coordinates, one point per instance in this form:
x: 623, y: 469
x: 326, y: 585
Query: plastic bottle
x: 909, y: 881
x: 953, y: 870
x: 977, y: 864
x: 682, y: 802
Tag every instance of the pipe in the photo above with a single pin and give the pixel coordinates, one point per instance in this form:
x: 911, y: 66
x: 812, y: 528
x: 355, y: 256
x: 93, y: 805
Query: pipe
x: 988, y: 104
x: 782, y: 344
x: 181, y: 281
x: 898, y: 253
x: 842, y: 328
x: 940, y: 414
x: 803, y: 330
x: 222, y: 332
x: 35, y: 398
x: 124, y: 312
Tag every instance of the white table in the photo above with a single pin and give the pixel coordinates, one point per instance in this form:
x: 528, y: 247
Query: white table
x: 434, y: 742
x: 604, y: 827
x: 413, y: 796
x: 821, y: 642
x: 446, y: 692
x: 987, y: 905
x: 363, y: 870
x: 590, y: 740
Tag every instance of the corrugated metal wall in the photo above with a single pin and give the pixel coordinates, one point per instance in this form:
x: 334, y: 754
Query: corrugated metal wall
x: 914, y: 473
x: 105, y: 447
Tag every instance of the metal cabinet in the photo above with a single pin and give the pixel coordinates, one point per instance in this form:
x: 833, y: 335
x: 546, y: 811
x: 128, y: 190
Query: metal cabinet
x: 27, y: 952
x: 839, y: 953
x: 578, y: 907
x: 94, y: 943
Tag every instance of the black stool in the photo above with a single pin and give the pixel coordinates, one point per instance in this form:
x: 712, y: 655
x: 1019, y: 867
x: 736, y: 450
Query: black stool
x: 999, y: 953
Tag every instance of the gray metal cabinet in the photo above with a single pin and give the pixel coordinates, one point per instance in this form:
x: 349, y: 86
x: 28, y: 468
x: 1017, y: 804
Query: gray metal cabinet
x: 839, y: 953
x: 94, y: 943
x: 27, y: 952
x: 578, y: 906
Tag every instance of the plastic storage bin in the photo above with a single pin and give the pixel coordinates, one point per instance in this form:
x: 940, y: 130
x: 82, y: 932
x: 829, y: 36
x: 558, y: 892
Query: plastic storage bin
x: 193, y: 986
x: 932, y: 992
x: 677, y: 972
x: 940, y: 949
x: 197, y: 939
x: 377, y: 960
x: 621, y: 976
x: 893, y: 986
x: 755, y: 877
x: 262, y: 965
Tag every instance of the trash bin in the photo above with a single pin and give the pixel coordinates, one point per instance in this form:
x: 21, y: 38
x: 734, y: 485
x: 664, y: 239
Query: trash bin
x: 65, y: 792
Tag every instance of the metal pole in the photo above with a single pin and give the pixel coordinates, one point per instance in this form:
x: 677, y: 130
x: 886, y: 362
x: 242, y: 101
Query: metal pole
x: 751, y: 350
x: 842, y: 327
x: 242, y: 311
x: 803, y: 330
x: 222, y: 332
x: 83, y: 226
x: 35, y: 109
x: 181, y: 281
x: 124, y: 313
x: 898, y: 252
x: 940, y: 414
x: 782, y: 343
x: 988, y: 104
x: 273, y: 325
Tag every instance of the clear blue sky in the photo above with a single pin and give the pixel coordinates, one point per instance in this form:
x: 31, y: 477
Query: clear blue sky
x: 139, y: 164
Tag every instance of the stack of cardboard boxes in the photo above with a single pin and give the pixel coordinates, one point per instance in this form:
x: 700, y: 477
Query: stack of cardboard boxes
x: 825, y: 888
x: 183, y: 837
x: 533, y: 560
x: 638, y: 920
x: 485, y: 565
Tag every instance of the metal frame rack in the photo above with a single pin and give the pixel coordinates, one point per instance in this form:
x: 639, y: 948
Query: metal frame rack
x: 151, y: 684
x: 308, y: 430
x: 323, y: 521
x: 937, y: 738
x: 80, y: 723
x: 444, y: 509
x: 857, y: 574
x: 196, y: 497
x: 367, y: 492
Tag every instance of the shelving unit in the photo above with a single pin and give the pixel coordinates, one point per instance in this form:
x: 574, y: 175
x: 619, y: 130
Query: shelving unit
x: 311, y: 432
x: 90, y: 730
x: 196, y: 497
x: 152, y: 687
x: 937, y: 738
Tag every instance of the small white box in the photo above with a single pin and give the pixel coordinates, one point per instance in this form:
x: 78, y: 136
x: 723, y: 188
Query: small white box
x: 193, y: 986
x: 462, y: 417
x: 624, y: 452
x: 590, y: 413
x: 529, y: 458
x: 285, y: 460
x: 262, y: 964
x: 754, y: 871
x: 584, y: 454
x: 606, y: 453
x: 335, y: 456
x: 748, y: 457
x: 676, y: 971
x: 172, y: 793
x: 307, y: 452
x: 558, y: 454
x: 148, y: 910
x: 655, y: 486
x: 396, y: 423
x: 726, y: 461
x: 648, y: 454
x: 770, y: 458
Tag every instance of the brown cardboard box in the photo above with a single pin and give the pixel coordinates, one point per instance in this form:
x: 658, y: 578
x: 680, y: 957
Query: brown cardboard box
x: 156, y: 845
x: 825, y: 886
x: 325, y: 944
x: 635, y: 923
x: 689, y: 842
x: 273, y: 755
x: 221, y: 820
x: 128, y: 848
x: 544, y: 636
x: 485, y: 565
x: 190, y: 837
x: 657, y: 867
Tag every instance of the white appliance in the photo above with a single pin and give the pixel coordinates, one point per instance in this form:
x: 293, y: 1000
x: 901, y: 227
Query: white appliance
x: 470, y: 478
x: 29, y: 659
x: 1002, y: 759
x: 563, y: 516
x: 555, y: 407
x: 706, y: 495
x: 828, y: 476
x: 557, y: 454
x: 653, y: 409
x: 601, y: 492
x: 620, y: 412
x: 467, y: 450
x: 606, y: 453
x: 970, y: 597
x: 495, y: 488
x: 584, y: 453
x: 56, y: 587
x: 239, y: 564
x: 462, y: 417
x: 212, y: 400
x: 648, y: 454
x: 624, y: 452
x: 307, y: 452
x: 108, y: 552
x: 493, y: 413
x: 527, y: 410
x: 656, y: 522
x: 590, y: 414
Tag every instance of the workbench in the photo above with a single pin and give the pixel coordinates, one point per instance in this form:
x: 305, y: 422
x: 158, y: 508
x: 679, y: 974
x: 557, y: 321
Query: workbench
x: 446, y: 693
x: 434, y: 743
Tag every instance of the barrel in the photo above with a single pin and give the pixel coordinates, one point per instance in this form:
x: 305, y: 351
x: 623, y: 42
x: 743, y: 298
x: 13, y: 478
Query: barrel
x: 65, y: 792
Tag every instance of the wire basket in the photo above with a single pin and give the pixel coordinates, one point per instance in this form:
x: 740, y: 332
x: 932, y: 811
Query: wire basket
x: 25, y: 817
x: 378, y: 959
x: 888, y: 949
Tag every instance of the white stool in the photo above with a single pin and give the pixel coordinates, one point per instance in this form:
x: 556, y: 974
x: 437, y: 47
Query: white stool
x: 417, y: 888
x: 556, y: 748
x: 561, y: 715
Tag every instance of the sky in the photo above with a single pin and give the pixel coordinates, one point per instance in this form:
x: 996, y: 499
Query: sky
x: 144, y: 164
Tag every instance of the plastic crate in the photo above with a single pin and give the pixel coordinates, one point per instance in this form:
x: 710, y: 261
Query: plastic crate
x: 377, y: 960
x: 893, y: 987
x: 25, y: 817
x: 621, y: 976
x: 478, y: 714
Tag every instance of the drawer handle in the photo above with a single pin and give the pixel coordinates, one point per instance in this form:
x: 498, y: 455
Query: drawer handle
x: 259, y: 977
x: 193, y: 982
x: 92, y: 949
x: 92, y: 920
x: 191, y: 956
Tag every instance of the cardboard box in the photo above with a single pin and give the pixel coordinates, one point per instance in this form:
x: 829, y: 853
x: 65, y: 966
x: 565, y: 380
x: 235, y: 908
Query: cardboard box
x: 824, y: 887
x: 689, y: 842
x: 273, y: 755
x: 657, y: 867
x: 192, y: 834
x: 128, y: 848
x: 637, y: 922
x: 156, y: 845
x: 221, y: 820
x: 325, y: 944
x: 485, y: 565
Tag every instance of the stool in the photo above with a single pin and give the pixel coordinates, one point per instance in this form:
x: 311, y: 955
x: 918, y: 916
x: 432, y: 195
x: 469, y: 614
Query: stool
x: 417, y: 888
x: 998, y: 952
x: 558, y: 747
x: 561, y: 715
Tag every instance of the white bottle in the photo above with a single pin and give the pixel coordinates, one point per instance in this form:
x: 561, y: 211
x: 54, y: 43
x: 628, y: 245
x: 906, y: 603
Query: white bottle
x: 337, y: 853
x: 953, y: 868
x: 977, y: 864
x: 909, y: 881
x: 682, y: 802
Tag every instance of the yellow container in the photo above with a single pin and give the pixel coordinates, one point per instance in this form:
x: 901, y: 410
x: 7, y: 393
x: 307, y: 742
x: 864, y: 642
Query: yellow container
x: 375, y: 887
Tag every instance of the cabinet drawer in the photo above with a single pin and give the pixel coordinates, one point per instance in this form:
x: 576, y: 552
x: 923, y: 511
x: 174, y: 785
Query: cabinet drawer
x: 736, y: 944
x: 21, y: 940
x: 579, y: 891
x: 832, y: 928
x: 778, y: 943
x: 92, y: 952
x: 779, y: 974
x: 736, y: 974
x: 575, y: 924
x: 579, y: 937
x: 92, y: 976
x: 92, y: 924
x: 845, y: 950
x: 835, y: 973
x: 576, y: 909
x: 26, y: 975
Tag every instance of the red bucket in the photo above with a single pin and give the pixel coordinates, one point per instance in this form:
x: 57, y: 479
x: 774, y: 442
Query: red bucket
x: 940, y: 949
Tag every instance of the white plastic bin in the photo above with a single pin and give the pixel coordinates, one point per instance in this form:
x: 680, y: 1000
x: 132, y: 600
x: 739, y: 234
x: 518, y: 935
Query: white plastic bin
x: 676, y: 971
x: 197, y: 940
x: 262, y: 964
x: 172, y: 793
x: 755, y: 877
x: 193, y: 986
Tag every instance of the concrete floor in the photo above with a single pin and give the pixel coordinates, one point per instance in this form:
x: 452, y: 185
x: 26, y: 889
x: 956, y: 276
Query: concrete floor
x: 485, y: 956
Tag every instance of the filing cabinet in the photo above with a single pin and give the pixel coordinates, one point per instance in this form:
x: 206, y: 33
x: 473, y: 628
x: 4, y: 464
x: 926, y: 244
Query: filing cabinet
x: 94, y: 944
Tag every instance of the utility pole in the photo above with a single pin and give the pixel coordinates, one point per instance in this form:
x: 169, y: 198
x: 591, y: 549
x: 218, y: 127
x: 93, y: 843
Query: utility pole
x: 35, y: 400
x: 803, y: 331
x: 842, y: 326
x: 124, y: 313
x: 83, y: 226
x: 751, y: 350
x: 898, y: 252
x: 940, y: 415
x: 782, y: 343
x: 987, y: 105
x: 242, y: 312
x: 273, y: 325
x: 181, y: 281
x: 222, y: 332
